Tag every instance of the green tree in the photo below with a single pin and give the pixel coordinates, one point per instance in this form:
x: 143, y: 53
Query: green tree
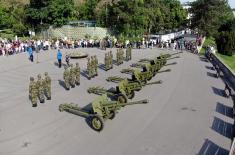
x: 41, y: 13
x: 209, y: 15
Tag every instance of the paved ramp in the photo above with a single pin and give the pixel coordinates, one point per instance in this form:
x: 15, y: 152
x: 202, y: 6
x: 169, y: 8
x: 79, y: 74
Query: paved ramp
x: 187, y: 114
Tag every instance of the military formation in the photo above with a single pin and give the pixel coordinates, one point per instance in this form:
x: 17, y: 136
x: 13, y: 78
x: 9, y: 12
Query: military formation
x: 108, y: 61
x: 128, y: 54
x: 71, y: 76
x: 40, y: 89
x: 92, y: 67
x: 110, y: 101
x: 120, y: 56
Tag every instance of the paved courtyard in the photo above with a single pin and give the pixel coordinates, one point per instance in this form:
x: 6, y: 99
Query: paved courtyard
x: 186, y: 115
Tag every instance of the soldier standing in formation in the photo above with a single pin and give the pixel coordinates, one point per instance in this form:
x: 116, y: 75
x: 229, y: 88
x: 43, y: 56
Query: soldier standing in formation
x: 118, y: 57
x: 77, y: 74
x: 40, y: 88
x: 72, y: 76
x: 106, y: 62
x: 96, y: 63
x: 33, y: 94
x: 47, y: 86
x: 66, y: 77
x: 128, y: 54
x: 111, y: 59
x: 89, y: 68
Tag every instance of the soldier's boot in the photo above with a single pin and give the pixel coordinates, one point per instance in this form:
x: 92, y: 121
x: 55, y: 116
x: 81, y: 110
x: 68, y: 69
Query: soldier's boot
x: 67, y: 85
x: 72, y: 84
x: 48, y: 95
x: 34, y: 104
x: 41, y: 98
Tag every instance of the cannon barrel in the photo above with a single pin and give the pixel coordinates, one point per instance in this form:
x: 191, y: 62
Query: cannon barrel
x: 74, y: 109
x: 114, y: 104
x: 152, y: 83
x: 114, y: 79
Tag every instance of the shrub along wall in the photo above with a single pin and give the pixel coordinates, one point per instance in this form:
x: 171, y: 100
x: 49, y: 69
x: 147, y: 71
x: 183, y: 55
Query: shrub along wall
x: 226, y: 43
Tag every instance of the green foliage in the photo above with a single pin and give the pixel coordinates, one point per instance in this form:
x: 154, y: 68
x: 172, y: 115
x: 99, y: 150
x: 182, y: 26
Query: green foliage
x: 226, y: 43
x: 87, y: 10
x: 209, y: 15
x: 210, y: 41
x: 13, y: 17
x: 41, y: 13
x: 135, y: 18
x: 229, y: 60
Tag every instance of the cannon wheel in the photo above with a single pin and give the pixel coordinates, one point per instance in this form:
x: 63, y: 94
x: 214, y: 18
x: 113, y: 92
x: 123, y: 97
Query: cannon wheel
x: 97, y: 123
x: 131, y: 95
x: 121, y: 98
x: 140, y: 86
x: 112, y: 115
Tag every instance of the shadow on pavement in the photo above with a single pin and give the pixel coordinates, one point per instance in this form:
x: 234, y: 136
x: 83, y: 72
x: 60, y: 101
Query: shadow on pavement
x: 203, y: 59
x: 211, y: 74
x: 210, y: 68
x: 210, y: 148
x: 223, y: 128
x: 84, y: 74
x: 224, y: 110
x: 102, y: 67
x: 219, y: 92
x: 61, y: 83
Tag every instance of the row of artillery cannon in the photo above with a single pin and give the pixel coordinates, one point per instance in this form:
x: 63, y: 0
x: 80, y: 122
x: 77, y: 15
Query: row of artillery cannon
x: 111, y: 100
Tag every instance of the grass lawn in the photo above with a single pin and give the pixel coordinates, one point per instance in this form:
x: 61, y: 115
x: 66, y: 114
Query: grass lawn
x: 208, y: 42
x: 229, y: 60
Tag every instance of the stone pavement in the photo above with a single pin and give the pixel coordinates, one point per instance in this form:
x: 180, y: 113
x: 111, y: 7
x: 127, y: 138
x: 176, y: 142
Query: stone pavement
x: 187, y: 114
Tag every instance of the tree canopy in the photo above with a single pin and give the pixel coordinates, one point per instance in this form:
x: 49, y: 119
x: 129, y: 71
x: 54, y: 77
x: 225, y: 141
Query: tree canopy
x: 210, y: 15
x: 125, y: 17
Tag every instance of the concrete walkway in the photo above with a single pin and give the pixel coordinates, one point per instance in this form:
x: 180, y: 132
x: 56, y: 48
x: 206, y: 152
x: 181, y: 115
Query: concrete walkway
x: 187, y: 114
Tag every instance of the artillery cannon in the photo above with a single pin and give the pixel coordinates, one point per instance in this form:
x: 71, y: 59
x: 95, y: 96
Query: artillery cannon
x: 142, y: 76
x: 128, y: 87
x: 111, y: 92
x: 102, y: 109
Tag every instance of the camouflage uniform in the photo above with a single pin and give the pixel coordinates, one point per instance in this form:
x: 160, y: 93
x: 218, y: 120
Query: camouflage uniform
x: 128, y: 54
x: 66, y: 77
x: 72, y: 76
x: 77, y: 74
x: 40, y: 88
x: 111, y: 59
x: 122, y: 56
x: 96, y: 63
x: 33, y: 92
x: 118, y: 57
x: 106, y: 62
x: 47, y: 86
x: 89, y: 68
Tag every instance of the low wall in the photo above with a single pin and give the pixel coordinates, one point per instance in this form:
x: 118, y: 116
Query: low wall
x: 228, y: 74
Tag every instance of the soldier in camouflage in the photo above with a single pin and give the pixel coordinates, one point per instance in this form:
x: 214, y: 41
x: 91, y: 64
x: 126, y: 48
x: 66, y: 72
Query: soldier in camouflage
x: 33, y: 92
x: 47, y: 86
x: 106, y: 62
x: 118, y: 57
x: 66, y: 77
x: 96, y: 63
x: 111, y: 59
x: 77, y: 74
x: 40, y: 88
x: 72, y: 76
x: 122, y: 56
x: 89, y: 68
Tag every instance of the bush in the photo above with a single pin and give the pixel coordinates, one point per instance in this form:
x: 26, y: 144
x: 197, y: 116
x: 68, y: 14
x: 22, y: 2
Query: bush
x: 226, y: 43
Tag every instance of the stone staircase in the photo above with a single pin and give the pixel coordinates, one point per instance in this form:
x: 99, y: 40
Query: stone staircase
x: 78, y: 32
